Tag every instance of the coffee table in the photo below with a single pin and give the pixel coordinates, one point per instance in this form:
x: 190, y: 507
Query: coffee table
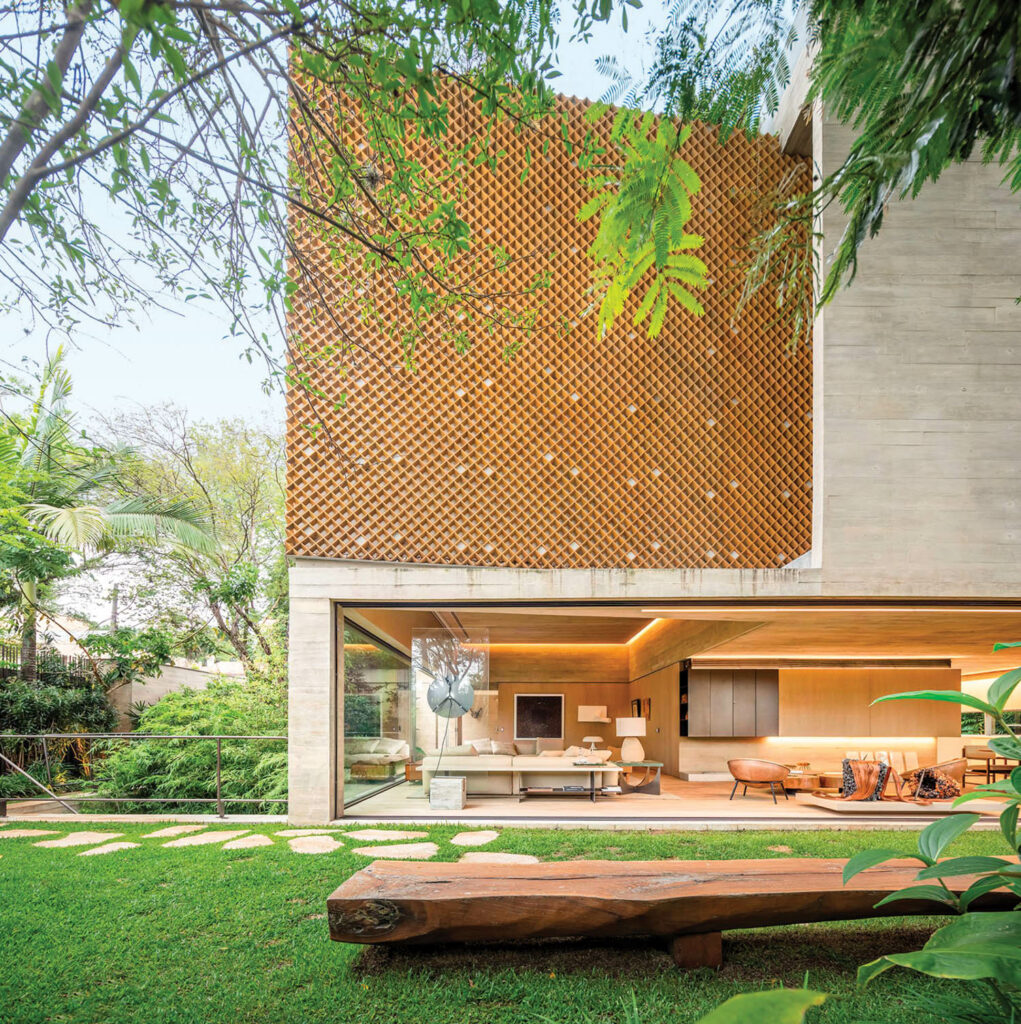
x: 803, y: 781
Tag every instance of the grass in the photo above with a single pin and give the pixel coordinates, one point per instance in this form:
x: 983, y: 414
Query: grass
x: 180, y: 936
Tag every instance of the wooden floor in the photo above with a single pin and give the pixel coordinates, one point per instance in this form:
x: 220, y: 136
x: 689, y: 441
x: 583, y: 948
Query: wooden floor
x: 681, y: 804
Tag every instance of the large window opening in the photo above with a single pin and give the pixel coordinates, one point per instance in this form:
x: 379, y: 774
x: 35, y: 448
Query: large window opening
x: 379, y: 714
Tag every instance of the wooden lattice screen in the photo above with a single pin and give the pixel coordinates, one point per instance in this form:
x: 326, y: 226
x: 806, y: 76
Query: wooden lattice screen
x: 692, y: 450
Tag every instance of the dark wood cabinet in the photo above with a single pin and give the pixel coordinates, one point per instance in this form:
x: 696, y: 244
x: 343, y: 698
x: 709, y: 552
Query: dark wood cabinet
x: 732, y: 702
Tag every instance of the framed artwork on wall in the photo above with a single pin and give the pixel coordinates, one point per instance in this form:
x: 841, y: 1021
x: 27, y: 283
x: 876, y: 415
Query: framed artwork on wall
x: 538, y: 716
x: 636, y: 708
x: 647, y: 707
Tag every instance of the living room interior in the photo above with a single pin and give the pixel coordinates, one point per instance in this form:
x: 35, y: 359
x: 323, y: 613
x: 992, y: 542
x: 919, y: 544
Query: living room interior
x: 638, y: 711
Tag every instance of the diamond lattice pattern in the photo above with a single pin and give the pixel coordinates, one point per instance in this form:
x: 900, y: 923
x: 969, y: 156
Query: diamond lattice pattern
x: 690, y: 450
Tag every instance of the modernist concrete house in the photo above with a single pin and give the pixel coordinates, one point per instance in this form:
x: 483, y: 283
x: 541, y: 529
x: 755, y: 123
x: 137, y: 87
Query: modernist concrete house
x: 724, y: 543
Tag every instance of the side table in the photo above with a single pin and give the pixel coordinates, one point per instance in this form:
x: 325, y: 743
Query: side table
x: 644, y: 782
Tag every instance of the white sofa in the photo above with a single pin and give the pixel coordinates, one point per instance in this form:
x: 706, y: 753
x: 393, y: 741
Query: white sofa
x: 505, y: 774
x: 374, y: 750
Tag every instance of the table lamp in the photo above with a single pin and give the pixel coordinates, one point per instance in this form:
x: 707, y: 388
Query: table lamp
x: 592, y: 713
x: 630, y: 729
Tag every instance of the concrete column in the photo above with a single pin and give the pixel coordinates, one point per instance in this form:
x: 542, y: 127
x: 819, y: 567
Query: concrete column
x: 315, y: 705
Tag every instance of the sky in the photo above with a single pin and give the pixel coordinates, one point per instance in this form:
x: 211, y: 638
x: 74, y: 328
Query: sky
x: 186, y: 358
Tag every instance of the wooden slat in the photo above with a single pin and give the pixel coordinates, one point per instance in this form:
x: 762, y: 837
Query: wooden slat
x: 414, y: 902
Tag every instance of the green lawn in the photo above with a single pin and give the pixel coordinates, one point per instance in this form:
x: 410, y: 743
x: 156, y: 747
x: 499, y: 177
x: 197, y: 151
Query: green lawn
x: 207, y: 935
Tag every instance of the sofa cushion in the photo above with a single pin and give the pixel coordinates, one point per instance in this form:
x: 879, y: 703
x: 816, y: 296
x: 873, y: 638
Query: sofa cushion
x: 550, y: 753
x: 361, y: 744
x: 388, y: 745
x: 505, y: 749
x: 483, y: 746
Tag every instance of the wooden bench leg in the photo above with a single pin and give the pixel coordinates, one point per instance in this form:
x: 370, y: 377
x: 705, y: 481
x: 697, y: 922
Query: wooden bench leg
x: 704, y: 950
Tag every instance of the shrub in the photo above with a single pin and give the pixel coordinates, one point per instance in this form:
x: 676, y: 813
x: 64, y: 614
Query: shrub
x: 175, y: 769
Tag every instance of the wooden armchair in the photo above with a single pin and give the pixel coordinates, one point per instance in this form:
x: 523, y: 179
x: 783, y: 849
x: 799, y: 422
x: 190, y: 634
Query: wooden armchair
x: 749, y: 771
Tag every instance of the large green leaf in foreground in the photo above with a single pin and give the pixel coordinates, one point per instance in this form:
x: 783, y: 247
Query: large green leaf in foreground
x: 970, y: 947
x: 778, y: 1006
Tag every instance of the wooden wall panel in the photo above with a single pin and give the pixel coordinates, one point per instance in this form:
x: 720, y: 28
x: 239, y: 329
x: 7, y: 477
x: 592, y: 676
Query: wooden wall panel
x: 563, y: 663
x: 914, y: 717
x: 663, y: 728
x: 825, y: 702
x: 836, y: 702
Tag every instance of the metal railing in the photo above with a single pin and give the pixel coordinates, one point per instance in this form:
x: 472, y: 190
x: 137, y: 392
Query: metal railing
x: 66, y: 799
x: 50, y: 665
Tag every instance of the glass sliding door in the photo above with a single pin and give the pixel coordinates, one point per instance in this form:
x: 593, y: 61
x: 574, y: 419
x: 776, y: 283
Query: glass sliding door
x: 379, y: 714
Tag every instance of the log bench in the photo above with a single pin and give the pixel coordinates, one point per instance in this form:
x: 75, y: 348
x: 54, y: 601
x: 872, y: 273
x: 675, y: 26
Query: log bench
x: 687, y: 902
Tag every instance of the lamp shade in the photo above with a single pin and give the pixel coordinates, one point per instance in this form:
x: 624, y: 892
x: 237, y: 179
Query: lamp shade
x: 630, y: 726
x: 592, y: 713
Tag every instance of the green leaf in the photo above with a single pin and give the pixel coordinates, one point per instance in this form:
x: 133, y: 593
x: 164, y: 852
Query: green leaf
x: 1007, y: 746
x: 1001, y: 689
x: 974, y: 946
x: 1004, y: 646
x: 935, y: 893
x: 979, y: 888
x: 935, y: 838
x: 962, y: 866
x: 778, y: 1006
x: 867, y: 859
x: 950, y: 696
x: 1008, y: 826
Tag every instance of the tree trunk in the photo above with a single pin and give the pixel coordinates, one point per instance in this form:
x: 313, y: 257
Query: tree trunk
x: 233, y: 635
x: 29, y: 642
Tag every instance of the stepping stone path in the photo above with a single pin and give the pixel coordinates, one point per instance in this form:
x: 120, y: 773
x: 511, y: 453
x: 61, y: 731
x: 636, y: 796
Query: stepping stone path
x: 314, y: 844
x: 381, y: 835
x: 80, y: 839
x: 779, y: 849
x: 174, y: 830
x: 295, y: 832
x: 107, y: 848
x: 247, y: 842
x: 206, y: 838
x: 475, y: 838
x: 401, y: 851
x: 24, y: 833
x: 485, y: 857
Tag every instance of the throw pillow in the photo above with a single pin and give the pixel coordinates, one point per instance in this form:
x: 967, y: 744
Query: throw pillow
x: 551, y: 753
x: 483, y: 746
x: 506, y: 749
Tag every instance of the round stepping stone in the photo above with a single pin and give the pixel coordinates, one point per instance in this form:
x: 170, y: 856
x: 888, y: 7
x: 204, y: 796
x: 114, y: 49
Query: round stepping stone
x: 489, y: 857
x: 80, y: 839
x: 779, y: 849
x: 24, y: 833
x: 314, y: 844
x: 206, y: 838
x: 174, y: 830
x: 384, y: 835
x: 400, y: 851
x: 107, y: 848
x: 295, y: 832
x: 475, y: 838
x: 247, y: 842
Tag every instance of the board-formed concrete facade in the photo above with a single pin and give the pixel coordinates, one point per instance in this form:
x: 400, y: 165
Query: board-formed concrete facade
x: 916, y: 452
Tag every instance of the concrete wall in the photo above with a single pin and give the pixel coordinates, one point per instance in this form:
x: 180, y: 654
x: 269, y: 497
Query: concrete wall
x: 921, y: 446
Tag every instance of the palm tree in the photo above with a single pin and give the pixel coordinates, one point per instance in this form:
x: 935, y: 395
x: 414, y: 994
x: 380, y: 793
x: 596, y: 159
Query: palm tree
x: 67, y: 494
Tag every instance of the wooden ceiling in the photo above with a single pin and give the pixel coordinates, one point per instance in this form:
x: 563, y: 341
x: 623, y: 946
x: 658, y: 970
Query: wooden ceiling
x: 963, y: 635
x: 540, y: 628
